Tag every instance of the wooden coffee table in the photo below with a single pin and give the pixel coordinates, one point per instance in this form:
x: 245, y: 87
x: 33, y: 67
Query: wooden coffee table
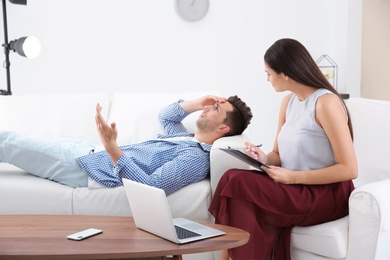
x: 44, y: 237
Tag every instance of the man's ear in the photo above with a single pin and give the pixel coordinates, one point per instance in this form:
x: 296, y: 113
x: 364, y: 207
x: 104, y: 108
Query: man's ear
x: 223, y: 129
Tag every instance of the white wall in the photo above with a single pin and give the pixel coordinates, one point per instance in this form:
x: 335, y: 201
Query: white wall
x: 375, y: 49
x: 142, y: 45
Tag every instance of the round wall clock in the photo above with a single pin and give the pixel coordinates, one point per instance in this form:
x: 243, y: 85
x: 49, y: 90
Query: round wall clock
x: 191, y: 10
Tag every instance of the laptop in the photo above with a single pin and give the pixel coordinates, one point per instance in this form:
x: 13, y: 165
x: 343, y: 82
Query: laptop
x: 151, y: 213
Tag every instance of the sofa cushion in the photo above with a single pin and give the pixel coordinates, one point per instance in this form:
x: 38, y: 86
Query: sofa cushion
x: 70, y: 116
x: 23, y: 193
x: 370, y: 120
x: 103, y: 201
x: 329, y: 239
x: 190, y: 202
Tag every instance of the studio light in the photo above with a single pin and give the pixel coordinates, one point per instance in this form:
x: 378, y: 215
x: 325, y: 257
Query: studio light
x: 29, y: 47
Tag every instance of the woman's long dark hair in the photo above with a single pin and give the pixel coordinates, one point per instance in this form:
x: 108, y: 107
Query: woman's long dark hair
x: 290, y: 57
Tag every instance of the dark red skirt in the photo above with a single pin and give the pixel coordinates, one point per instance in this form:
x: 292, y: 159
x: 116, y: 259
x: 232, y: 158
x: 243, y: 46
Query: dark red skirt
x: 269, y: 210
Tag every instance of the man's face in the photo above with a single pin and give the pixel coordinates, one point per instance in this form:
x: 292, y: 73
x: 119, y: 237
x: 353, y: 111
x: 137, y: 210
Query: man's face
x: 213, y: 116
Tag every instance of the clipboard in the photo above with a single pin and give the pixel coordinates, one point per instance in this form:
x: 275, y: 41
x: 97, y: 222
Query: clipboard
x: 245, y: 158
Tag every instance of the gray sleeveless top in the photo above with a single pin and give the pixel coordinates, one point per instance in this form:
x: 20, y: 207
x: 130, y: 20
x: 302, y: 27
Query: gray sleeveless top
x: 303, y: 144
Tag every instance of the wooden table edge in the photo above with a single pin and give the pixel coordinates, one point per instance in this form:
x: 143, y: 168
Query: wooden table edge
x: 208, y: 245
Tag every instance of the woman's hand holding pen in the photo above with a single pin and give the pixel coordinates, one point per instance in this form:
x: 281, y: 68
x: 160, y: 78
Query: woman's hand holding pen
x: 255, y: 152
x: 276, y: 173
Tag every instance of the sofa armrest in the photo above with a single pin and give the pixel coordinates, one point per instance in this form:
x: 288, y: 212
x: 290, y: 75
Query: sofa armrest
x: 220, y: 161
x: 369, y: 228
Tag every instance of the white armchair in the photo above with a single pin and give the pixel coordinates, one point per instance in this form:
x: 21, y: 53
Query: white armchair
x: 365, y: 233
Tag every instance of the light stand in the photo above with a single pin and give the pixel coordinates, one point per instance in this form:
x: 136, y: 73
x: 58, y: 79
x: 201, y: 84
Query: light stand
x: 29, y: 47
x: 6, y: 52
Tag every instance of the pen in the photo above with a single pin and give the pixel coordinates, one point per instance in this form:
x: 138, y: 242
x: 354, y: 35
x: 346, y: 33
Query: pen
x: 258, y: 145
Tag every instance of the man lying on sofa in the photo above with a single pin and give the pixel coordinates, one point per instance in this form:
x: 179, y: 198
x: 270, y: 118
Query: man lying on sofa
x: 170, y: 162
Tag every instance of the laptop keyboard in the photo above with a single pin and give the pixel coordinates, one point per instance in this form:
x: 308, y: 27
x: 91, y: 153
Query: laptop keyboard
x: 185, y: 233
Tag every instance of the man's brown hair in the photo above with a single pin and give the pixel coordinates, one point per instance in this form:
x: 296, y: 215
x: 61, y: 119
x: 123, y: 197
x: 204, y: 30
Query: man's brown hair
x: 239, y: 118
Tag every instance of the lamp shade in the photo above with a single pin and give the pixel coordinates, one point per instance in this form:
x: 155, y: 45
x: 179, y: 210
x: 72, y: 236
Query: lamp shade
x: 19, y: 2
x: 29, y: 47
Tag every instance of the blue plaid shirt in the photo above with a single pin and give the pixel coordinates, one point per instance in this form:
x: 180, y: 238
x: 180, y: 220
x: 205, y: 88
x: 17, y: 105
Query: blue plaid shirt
x: 168, y: 164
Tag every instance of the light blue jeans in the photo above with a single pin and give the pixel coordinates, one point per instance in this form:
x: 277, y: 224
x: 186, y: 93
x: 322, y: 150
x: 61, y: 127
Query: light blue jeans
x: 49, y: 158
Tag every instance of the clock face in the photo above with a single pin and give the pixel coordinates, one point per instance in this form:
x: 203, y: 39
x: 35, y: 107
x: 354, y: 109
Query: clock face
x: 191, y: 10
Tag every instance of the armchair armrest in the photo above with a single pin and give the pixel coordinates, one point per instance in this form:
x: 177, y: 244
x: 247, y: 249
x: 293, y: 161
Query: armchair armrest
x: 220, y: 161
x: 369, y: 215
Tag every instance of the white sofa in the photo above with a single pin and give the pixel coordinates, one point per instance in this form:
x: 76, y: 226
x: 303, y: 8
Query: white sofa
x: 72, y: 116
x: 365, y: 233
